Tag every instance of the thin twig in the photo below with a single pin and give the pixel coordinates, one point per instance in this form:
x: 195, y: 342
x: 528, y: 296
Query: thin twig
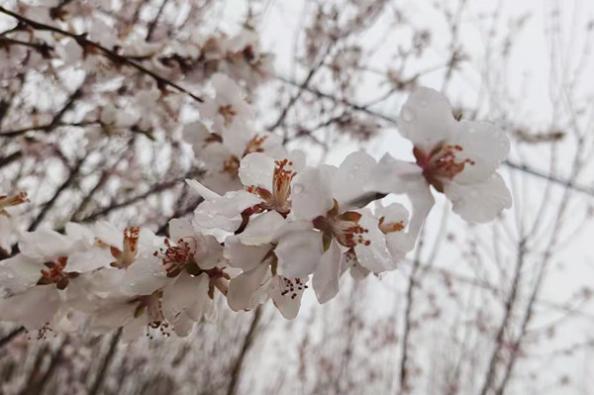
x: 247, y: 343
x: 100, y: 377
x: 50, y: 203
x: 154, y: 22
x: 87, y: 44
x: 11, y: 335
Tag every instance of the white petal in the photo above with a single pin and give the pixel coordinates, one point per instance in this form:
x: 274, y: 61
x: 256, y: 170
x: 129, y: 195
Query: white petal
x: 326, y: 277
x: 196, y: 134
x: 399, y: 242
x: 262, y: 229
x: 242, y: 256
x: 180, y: 228
x: 353, y: 176
x: 392, y: 213
x: 86, y: 261
x: 224, y: 213
x: 201, y: 190
x: 257, y: 169
x: 45, y: 243
x: 203, y: 306
x: 422, y: 202
x: 480, y: 202
x: 311, y: 193
x: 19, y: 272
x: 374, y: 256
x: 247, y: 290
x: 180, y: 294
x: 80, y: 232
x: 144, y: 276
x: 485, y: 145
x: 396, y: 176
x: 209, y: 251
x: 287, y: 294
x: 299, y: 253
x: 108, y: 234
x: 426, y: 119
x: 32, y: 308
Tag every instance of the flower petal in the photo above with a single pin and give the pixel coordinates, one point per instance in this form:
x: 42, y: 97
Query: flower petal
x: 201, y: 190
x: 242, y: 256
x: 311, y: 193
x: 257, y: 169
x: 248, y: 290
x: 426, y: 119
x: 299, y: 253
x: 286, y: 295
x: 485, y: 145
x: 373, y: 255
x: 325, y: 278
x: 196, y: 134
x: 352, y: 177
x: 480, y: 202
x: 262, y: 229
x: 224, y: 213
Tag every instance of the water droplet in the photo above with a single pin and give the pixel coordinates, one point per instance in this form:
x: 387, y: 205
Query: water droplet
x: 298, y: 188
x: 407, y: 115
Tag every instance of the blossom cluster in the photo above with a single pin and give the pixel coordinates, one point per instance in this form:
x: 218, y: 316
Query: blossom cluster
x: 270, y: 225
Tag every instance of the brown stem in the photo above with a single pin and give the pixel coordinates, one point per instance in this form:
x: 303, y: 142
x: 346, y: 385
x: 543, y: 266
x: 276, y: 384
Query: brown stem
x: 99, y: 378
x: 11, y: 335
x: 50, y: 203
x: 248, y: 340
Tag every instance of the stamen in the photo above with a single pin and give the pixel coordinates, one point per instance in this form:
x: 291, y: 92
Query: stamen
x: 176, y: 258
x: 12, y: 200
x: 291, y: 287
x: 255, y: 145
x: 343, y: 227
x: 389, y: 227
x: 231, y: 166
x: 441, y: 164
x: 126, y: 257
x: 56, y: 273
x: 228, y: 113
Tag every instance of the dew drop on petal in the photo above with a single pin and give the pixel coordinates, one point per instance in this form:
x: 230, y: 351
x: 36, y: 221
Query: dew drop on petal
x: 298, y: 188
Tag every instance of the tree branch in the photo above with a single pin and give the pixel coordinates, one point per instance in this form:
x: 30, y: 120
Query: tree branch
x: 87, y: 44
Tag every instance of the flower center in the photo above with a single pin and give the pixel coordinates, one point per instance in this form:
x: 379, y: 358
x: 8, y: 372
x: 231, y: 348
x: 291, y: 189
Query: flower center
x: 55, y: 273
x: 231, y: 166
x: 440, y: 163
x: 152, y: 306
x: 255, y: 145
x: 228, y: 113
x: 279, y: 198
x: 130, y: 248
x: 176, y: 258
x: 344, y: 227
